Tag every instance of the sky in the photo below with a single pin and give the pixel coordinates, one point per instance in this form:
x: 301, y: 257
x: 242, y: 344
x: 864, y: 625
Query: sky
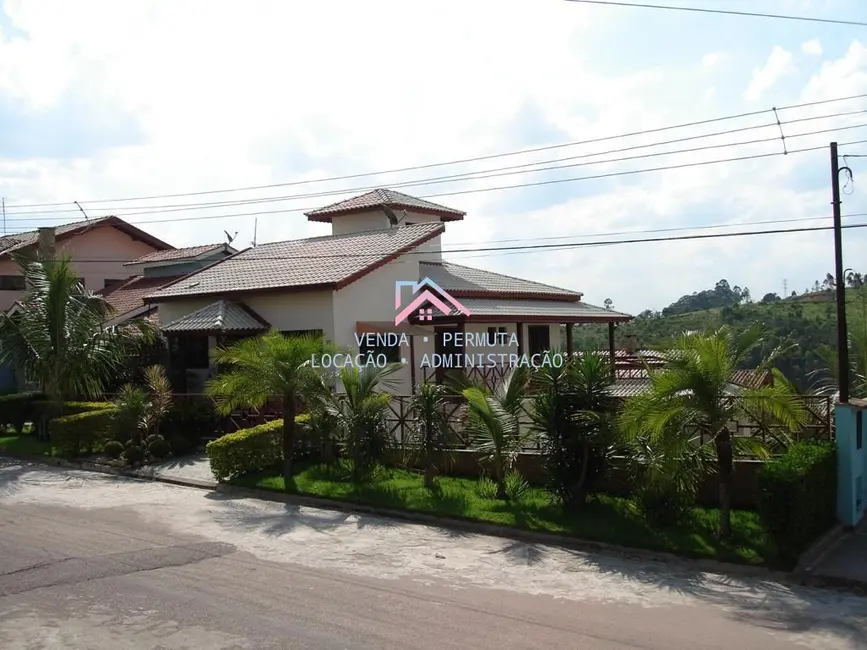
x: 109, y: 103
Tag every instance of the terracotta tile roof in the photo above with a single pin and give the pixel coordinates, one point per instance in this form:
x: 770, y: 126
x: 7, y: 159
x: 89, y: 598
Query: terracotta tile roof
x: 191, y: 252
x: 220, y: 316
x: 461, y: 280
x: 20, y: 240
x: 381, y: 197
x: 316, y: 262
x: 575, y: 311
x: 129, y: 294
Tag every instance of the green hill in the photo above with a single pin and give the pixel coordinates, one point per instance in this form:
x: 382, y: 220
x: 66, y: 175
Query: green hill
x: 807, y: 320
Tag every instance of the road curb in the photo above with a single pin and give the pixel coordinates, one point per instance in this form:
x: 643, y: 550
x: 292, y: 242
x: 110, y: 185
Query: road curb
x: 469, y: 526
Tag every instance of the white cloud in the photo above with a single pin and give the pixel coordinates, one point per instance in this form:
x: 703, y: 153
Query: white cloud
x: 778, y: 65
x: 286, y: 93
x: 812, y: 47
x: 713, y: 59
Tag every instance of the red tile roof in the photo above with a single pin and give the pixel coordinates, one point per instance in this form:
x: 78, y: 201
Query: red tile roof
x: 20, y: 240
x: 467, y: 281
x: 129, y: 295
x: 314, y: 263
x: 191, y: 252
x: 380, y: 197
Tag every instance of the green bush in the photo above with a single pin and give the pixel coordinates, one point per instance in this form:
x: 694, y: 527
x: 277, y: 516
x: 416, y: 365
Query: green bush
x: 71, y: 408
x: 17, y: 409
x: 180, y: 445
x: 134, y: 454
x: 158, y: 447
x: 247, y: 450
x: 192, y: 419
x: 80, y: 433
x: 797, y: 497
x: 113, y: 449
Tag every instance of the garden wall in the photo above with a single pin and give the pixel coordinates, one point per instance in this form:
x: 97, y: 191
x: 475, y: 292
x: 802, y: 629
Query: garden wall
x: 744, y: 489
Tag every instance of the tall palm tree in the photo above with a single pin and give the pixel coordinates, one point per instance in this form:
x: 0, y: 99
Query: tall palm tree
x: 360, y: 414
x: 693, y: 391
x: 494, y: 421
x: 56, y: 337
x: 274, y: 366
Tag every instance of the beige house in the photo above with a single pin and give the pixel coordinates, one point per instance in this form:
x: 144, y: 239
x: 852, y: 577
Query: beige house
x: 98, y: 249
x: 383, y: 260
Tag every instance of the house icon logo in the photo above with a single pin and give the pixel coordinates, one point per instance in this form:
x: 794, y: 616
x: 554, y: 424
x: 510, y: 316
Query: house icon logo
x: 423, y: 293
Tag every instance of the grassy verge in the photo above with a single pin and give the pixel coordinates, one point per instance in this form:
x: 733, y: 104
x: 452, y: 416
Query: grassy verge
x: 609, y: 519
x: 25, y: 444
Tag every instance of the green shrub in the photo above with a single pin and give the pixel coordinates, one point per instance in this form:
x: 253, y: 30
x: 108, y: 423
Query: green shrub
x: 158, y: 447
x: 151, y: 438
x: 113, y: 449
x: 134, y: 454
x: 247, y: 450
x: 192, y: 419
x: 71, y: 408
x: 797, y: 497
x: 180, y: 445
x: 80, y: 433
x: 17, y: 409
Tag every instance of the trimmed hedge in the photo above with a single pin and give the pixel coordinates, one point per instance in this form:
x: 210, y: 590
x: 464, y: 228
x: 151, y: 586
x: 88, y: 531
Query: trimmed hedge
x: 17, y: 409
x: 798, y: 497
x: 249, y: 450
x: 73, y: 435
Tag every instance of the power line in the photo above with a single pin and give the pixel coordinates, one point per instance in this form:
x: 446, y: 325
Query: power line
x: 460, y: 161
x: 723, y: 11
x: 534, y: 247
x: 497, y: 172
x: 506, y: 187
x: 616, y: 233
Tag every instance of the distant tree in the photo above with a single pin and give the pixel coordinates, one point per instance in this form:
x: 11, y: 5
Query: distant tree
x: 608, y: 303
x: 771, y: 297
x: 816, y: 287
x: 829, y: 284
x: 746, y: 298
x: 794, y: 294
x: 854, y: 280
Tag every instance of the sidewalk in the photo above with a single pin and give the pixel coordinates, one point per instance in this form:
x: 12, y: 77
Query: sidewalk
x: 194, y: 469
x: 846, y: 562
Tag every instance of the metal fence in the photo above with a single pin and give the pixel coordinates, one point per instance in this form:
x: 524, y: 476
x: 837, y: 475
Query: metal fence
x: 400, y: 420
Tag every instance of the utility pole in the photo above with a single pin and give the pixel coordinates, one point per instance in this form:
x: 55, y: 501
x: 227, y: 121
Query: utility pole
x: 842, y: 334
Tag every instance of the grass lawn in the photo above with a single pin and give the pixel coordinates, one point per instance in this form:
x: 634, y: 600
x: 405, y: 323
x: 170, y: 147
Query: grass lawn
x: 609, y: 519
x: 25, y: 444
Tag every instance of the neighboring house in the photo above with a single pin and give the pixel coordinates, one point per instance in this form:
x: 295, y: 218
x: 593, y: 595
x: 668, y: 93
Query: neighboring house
x: 350, y: 284
x: 154, y: 271
x: 98, y: 250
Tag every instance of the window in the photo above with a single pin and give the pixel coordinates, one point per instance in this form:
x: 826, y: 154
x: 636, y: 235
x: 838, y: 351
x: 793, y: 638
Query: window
x: 12, y: 283
x: 111, y: 282
x: 539, y: 339
x: 391, y: 352
x: 495, y: 335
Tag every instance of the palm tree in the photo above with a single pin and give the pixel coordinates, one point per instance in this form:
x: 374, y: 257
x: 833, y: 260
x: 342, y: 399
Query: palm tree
x: 693, y: 392
x: 360, y: 414
x: 56, y: 337
x: 494, y: 419
x: 574, y: 413
x: 274, y: 366
x: 432, y: 434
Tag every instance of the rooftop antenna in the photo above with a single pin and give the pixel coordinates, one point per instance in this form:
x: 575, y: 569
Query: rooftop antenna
x: 82, y: 211
x: 255, y: 230
x: 3, y: 207
x: 229, y: 237
x: 392, y: 217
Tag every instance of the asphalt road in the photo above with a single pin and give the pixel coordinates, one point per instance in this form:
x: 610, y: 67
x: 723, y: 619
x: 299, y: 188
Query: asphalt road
x: 96, y: 563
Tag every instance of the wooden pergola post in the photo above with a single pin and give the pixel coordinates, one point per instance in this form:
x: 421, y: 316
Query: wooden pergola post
x: 569, y: 347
